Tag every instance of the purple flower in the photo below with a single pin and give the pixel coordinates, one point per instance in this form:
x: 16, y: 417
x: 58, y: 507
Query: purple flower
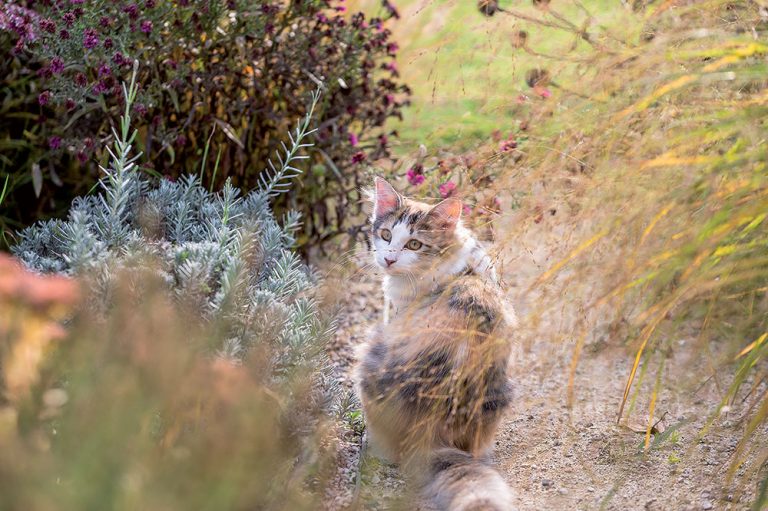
x: 82, y: 157
x: 45, y: 72
x: 105, y: 21
x: 132, y: 11
x: 140, y: 109
x: 146, y: 26
x: 415, y: 175
x: 76, y: 2
x: 149, y: 4
x: 100, y: 88
x: 48, y: 26
x: 54, y: 142
x: 118, y: 59
x: 392, y: 48
x: 104, y: 70
x: 90, y: 38
x: 389, y: 99
x: 57, y: 65
x: 353, y: 140
x: 44, y: 98
x: 447, y: 189
x: 64, y: 34
x: 358, y: 157
x: 108, y: 43
x: 181, y: 141
x: 70, y: 104
x: 69, y: 18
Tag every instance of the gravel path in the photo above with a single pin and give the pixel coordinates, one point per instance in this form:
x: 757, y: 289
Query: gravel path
x: 557, y: 456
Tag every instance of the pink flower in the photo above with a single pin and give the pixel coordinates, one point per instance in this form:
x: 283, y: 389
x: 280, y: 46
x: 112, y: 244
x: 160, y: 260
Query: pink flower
x: 146, y: 26
x: 44, y: 98
x: 415, y: 174
x: 543, y: 92
x: 507, y: 145
x: 358, y: 157
x: 414, y: 177
x: 466, y: 209
x: 353, y: 140
x: 447, y: 189
x: 54, y: 142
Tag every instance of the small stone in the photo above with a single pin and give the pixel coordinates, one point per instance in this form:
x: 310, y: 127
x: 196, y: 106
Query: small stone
x: 590, y: 489
x: 707, y: 504
x: 547, y: 483
x: 562, y: 491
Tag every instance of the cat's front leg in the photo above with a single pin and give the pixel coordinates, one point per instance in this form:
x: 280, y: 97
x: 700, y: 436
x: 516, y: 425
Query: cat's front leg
x: 387, y: 306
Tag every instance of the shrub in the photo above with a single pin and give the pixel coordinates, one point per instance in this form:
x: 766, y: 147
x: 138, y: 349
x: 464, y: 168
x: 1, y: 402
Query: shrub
x: 219, y: 77
x: 210, y: 400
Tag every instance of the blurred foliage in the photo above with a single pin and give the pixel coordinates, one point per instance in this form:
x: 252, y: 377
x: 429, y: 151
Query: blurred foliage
x: 218, y: 79
x: 113, y: 418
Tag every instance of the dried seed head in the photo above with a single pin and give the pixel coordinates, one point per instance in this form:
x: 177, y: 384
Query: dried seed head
x: 520, y: 39
x: 537, y: 77
x: 488, y: 7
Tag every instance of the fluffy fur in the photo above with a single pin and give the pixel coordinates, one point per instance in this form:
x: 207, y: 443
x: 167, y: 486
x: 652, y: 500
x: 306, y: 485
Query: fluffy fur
x: 433, y: 380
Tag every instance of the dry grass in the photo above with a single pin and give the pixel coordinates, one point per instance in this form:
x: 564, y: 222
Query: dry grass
x: 658, y: 162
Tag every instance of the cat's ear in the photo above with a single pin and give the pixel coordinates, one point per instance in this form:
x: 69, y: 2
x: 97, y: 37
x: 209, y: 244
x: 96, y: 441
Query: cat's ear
x: 446, y: 214
x: 385, y: 198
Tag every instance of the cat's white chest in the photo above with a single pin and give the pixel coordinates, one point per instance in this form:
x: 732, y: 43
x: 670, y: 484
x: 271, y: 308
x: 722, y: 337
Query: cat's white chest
x: 397, y: 294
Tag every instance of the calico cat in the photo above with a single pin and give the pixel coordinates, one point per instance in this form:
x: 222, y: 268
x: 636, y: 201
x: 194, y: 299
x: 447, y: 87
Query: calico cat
x: 433, y: 379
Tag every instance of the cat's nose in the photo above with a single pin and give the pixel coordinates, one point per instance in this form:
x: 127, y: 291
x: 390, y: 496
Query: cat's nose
x: 389, y: 262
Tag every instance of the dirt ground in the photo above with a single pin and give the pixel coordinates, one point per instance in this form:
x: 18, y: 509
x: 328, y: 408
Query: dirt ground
x: 556, y: 456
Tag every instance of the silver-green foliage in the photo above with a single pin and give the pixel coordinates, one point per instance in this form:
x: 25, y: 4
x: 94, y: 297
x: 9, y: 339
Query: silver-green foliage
x: 222, y: 252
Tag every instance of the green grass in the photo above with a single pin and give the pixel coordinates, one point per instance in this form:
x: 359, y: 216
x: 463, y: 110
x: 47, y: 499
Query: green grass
x: 465, y: 73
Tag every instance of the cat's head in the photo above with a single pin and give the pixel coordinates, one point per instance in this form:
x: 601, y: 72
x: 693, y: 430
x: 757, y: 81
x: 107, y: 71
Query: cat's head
x: 411, y: 236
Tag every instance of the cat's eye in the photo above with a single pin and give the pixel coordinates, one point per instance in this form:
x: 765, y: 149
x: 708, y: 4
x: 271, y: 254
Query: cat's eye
x: 386, y: 234
x: 413, y: 245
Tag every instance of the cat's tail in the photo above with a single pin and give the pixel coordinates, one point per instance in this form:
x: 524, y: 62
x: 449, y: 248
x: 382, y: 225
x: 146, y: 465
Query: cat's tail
x: 457, y: 481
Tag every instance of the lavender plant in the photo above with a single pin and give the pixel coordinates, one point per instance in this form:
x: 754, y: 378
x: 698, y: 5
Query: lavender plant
x: 223, y: 253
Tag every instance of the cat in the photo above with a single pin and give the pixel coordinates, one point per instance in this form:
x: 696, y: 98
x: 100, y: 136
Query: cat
x: 433, y: 378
